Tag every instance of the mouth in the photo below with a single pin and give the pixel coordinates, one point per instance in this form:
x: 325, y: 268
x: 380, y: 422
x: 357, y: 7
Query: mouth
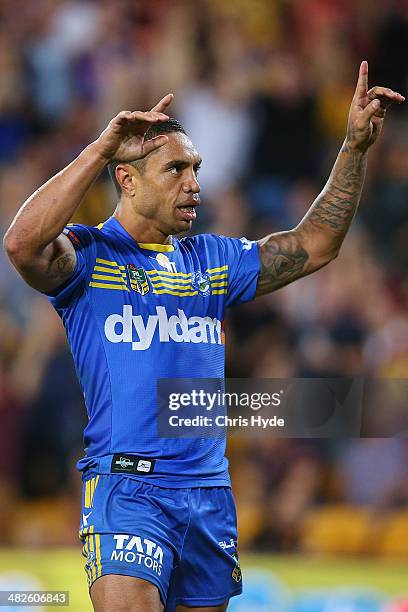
x: 187, y: 211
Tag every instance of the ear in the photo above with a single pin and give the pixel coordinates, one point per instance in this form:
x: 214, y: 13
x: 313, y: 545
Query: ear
x: 124, y: 174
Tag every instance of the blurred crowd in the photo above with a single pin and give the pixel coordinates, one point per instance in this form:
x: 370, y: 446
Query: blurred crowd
x: 263, y: 89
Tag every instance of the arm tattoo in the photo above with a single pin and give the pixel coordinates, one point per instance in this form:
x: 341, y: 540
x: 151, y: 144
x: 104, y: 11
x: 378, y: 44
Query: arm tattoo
x: 336, y: 205
x: 282, y: 259
x: 61, y: 267
x: 287, y: 256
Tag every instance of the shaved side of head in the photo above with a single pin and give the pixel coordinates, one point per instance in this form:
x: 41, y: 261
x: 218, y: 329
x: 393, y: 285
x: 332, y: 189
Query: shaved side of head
x: 157, y: 129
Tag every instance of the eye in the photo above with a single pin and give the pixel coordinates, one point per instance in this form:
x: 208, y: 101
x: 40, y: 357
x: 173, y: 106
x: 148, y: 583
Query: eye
x: 197, y: 168
x: 175, y: 170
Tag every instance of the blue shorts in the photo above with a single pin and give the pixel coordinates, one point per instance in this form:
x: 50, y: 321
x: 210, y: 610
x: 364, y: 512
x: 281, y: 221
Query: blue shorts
x: 181, y: 540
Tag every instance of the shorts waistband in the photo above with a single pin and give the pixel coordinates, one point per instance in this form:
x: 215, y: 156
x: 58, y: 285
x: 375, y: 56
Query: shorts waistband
x: 155, y: 469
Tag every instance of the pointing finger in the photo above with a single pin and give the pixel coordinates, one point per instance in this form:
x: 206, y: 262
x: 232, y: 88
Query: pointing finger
x: 362, y: 83
x: 163, y: 104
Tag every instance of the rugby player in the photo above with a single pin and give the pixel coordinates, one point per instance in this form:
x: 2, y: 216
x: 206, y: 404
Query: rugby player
x: 158, y: 518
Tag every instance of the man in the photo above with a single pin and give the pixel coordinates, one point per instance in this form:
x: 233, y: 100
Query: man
x: 158, y: 519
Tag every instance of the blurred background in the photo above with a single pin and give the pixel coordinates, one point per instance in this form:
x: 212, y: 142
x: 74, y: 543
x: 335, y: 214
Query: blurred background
x: 263, y: 88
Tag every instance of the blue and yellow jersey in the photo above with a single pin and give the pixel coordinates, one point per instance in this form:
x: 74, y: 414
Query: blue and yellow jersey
x: 134, y: 313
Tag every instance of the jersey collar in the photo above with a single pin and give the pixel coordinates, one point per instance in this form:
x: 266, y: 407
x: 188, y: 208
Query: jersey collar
x: 113, y: 223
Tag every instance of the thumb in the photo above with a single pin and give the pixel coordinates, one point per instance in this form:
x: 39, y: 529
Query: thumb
x: 153, y: 144
x: 370, y: 110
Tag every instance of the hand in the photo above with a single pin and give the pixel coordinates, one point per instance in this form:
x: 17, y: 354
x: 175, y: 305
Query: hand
x: 367, y: 111
x: 123, y: 139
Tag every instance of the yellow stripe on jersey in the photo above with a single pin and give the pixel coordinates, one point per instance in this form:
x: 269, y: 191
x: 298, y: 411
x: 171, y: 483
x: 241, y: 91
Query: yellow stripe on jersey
x: 220, y: 269
x: 173, y: 286
x: 107, y: 270
x: 219, y: 291
x: 91, y: 491
x: 167, y: 279
x: 98, y: 556
x: 162, y: 281
x: 94, y: 485
x: 100, y: 225
x: 114, y: 279
x: 87, y: 496
x: 114, y: 274
x: 90, y: 487
x: 166, y: 273
x: 169, y: 292
x: 106, y: 262
x: 174, y: 276
x: 106, y: 286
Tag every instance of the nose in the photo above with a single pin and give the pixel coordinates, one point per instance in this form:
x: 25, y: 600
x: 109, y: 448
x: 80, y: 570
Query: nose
x: 191, y: 185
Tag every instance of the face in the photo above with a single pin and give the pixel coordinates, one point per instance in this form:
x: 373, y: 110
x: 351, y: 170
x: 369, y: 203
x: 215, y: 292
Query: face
x: 166, y: 192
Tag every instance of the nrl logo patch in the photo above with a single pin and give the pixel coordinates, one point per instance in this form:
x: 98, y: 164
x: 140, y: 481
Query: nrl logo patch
x: 138, y: 279
x: 201, y: 282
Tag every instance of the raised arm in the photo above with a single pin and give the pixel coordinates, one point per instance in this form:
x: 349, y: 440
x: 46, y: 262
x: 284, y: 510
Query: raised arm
x: 34, y: 242
x: 287, y: 256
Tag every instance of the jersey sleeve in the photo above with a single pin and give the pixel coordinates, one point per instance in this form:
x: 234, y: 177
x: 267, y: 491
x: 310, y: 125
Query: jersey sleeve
x: 242, y: 258
x: 82, y: 241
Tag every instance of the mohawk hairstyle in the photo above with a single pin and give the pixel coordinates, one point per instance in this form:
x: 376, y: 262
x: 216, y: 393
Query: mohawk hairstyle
x: 157, y: 129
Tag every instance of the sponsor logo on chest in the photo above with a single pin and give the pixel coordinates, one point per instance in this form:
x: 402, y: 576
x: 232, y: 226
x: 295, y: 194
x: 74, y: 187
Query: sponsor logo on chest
x: 139, y: 332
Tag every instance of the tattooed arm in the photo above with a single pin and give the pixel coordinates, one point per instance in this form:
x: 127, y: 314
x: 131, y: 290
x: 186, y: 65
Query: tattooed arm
x: 287, y: 256
x: 34, y: 243
x: 44, y: 256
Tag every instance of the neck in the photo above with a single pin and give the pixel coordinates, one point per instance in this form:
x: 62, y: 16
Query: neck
x: 140, y: 228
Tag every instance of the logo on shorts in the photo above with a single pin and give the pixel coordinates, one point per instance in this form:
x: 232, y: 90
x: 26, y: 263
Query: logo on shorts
x: 91, y: 559
x: 137, y: 550
x: 236, y: 572
x: 230, y: 544
x: 85, y: 518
